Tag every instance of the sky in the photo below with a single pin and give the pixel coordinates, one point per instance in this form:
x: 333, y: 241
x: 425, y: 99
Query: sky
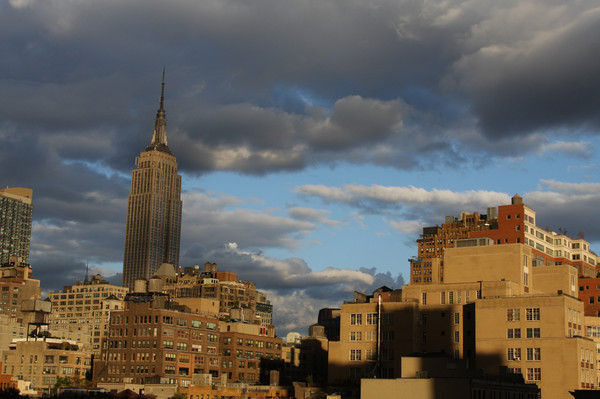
x: 315, y: 137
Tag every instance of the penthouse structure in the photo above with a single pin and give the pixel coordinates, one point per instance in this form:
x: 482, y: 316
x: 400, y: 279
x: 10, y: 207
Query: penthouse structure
x: 498, y: 308
x: 505, y: 224
x: 84, y: 309
x: 16, y: 211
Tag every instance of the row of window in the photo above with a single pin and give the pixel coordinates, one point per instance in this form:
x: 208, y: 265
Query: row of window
x: 531, y: 314
x: 515, y: 333
x: 533, y: 354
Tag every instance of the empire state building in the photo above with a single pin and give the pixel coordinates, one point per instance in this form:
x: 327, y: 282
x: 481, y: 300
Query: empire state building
x: 153, y: 208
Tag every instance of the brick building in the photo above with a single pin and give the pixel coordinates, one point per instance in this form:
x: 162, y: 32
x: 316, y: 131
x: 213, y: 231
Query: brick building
x: 505, y: 224
x: 244, y: 346
x: 589, y: 293
x: 155, y: 340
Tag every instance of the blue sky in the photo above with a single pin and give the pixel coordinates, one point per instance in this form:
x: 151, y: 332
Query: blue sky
x: 315, y: 138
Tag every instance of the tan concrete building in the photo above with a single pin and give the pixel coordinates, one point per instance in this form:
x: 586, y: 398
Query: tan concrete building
x: 442, y: 378
x: 41, y: 361
x: 154, y: 208
x: 82, y: 311
x: 16, y: 213
x: 17, y: 286
x: 497, y: 308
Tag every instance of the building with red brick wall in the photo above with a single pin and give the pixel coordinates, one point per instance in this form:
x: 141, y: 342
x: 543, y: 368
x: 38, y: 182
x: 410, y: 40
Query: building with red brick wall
x: 589, y: 293
x: 6, y: 381
x: 155, y: 340
x: 505, y: 224
x: 244, y: 346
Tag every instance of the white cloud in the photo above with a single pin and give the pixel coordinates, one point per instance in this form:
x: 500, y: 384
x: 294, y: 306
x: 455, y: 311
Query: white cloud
x: 312, y: 215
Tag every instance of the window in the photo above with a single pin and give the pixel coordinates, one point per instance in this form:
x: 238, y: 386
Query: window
x: 356, y: 319
x: 424, y: 298
x: 591, y: 299
x: 513, y: 354
x: 532, y: 314
x: 533, y: 332
x: 513, y: 314
x: 443, y: 297
x: 355, y: 336
x: 451, y: 297
x: 456, y: 318
x: 534, y: 354
x: 456, y: 336
x: 355, y: 354
x: 514, y: 333
x: 371, y: 318
x: 534, y: 374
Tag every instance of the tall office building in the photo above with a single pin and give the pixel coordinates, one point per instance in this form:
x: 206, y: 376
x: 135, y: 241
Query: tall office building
x: 154, y: 207
x: 16, y: 211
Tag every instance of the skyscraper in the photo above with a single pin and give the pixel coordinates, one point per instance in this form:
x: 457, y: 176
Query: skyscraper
x: 16, y: 211
x: 153, y: 208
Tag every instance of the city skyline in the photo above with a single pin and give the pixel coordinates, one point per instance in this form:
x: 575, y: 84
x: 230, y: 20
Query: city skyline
x: 307, y: 172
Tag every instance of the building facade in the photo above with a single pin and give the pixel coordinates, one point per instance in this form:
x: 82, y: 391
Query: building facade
x: 237, y: 299
x: 42, y: 361
x: 505, y: 224
x: 498, y: 309
x: 154, y: 340
x: 153, y: 226
x: 244, y: 346
x: 16, y: 212
x: 82, y: 311
x: 17, y: 286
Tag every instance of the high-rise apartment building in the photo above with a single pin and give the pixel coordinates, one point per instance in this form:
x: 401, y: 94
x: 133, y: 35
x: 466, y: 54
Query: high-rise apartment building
x: 505, y: 224
x: 16, y: 210
x: 154, y: 208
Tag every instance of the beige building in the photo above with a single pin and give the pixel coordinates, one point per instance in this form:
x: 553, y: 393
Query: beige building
x: 17, y: 286
x: 496, y: 308
x: 81, y: 312
x: 237, y: 299
x: 154, y: 208
x: 442, y: 378
x: 16, y: 212
x: 41, y: 361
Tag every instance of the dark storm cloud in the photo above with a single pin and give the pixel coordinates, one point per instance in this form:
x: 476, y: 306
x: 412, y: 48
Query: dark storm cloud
x: 260, y: 87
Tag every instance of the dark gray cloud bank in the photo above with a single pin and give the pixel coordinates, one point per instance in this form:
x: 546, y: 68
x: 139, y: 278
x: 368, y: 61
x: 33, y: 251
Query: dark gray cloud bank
x: 262, y: 87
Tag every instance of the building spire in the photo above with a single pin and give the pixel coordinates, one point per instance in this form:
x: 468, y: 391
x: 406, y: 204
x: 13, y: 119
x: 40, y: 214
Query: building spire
x: 162, y: 92
x: 159, y: 138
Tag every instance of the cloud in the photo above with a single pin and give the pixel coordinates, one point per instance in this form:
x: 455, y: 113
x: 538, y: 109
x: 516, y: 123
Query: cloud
x: 208, y: 223
x: 259, y: 88
x: 412, y: 200
x: 559, y: 205
x: 291, y: 281
x: 312, y: 215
